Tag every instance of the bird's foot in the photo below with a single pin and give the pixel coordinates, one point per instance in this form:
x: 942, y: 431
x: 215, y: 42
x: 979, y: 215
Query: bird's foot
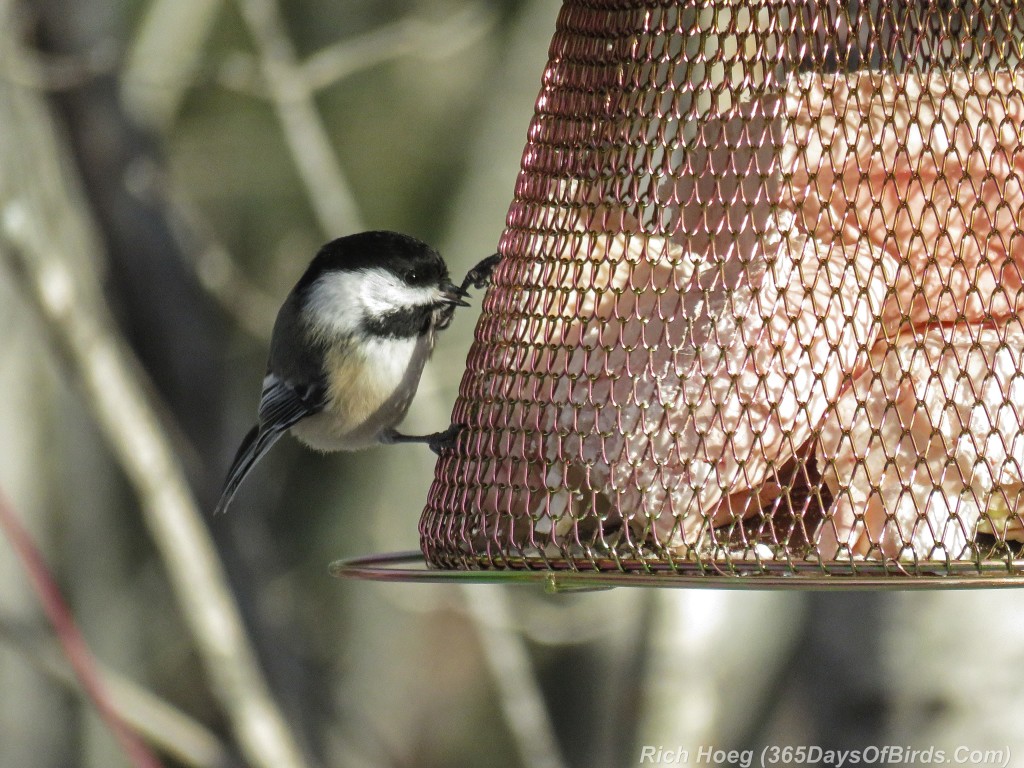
x: 444, y: 442
x: 438, y: 442
x: 480, y: 275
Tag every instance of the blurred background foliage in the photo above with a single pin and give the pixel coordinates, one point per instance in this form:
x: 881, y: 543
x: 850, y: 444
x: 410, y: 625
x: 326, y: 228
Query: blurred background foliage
x: 188, y: 134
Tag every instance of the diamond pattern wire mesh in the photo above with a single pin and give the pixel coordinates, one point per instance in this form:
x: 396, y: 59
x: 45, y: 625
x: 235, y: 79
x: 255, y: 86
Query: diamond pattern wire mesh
x: 759, y: 307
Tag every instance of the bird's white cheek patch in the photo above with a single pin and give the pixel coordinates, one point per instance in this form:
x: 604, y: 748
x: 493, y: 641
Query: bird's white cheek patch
x: 339, y: 302
x: 383, y: 292
x: 333, y: 305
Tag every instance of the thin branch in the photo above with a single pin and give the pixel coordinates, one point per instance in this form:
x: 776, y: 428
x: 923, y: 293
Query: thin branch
x: 55, y: 72
x: 328, y: 189
x: 164, y: 58
x: 71, y: 640
x: 239, y: 71
x: 111, y: 377
x: 159, y: 722
x: 252, y: 308
x: 215, y: 267
x: 46, y: 235
x: 410, y: 36
x: 519, y: 695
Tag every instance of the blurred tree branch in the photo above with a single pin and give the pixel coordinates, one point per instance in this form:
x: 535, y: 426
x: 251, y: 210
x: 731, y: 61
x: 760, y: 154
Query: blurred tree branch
x: 217, y: 270
x: 163, y: 64
x: 162, y: 724
x: 59, y: 73
x: 252, y: 308
x: 519, y: 696
x: 291, y: 85
x: 48, y: 238
x: 409, y: 36
x: 75, y: 648
x: 164, y: 58
x: 330, y: 195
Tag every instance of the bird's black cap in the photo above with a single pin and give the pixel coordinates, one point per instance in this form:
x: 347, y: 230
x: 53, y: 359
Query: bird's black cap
x: 411, y: 259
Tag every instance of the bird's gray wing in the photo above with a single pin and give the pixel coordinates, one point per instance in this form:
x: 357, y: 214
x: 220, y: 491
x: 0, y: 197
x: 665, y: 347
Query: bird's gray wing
x: 284, y: 403
x: 282, y: 406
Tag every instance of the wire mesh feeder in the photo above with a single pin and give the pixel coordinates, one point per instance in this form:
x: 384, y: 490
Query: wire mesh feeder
x: 759, y: 309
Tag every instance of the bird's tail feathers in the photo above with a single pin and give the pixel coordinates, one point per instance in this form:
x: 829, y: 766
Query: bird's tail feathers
x: 254, y: 447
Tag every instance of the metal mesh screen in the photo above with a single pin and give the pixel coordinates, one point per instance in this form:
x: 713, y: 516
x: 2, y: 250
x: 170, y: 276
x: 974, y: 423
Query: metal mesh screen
x: 759, y: 306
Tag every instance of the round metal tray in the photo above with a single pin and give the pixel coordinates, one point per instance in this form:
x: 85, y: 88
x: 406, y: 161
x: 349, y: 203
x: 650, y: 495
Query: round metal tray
x: 411, y: 567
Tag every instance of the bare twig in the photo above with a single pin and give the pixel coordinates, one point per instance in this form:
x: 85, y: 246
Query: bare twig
x: 409, y: 36
x: 110, y: 378
x: 519, y: 696
x: 46, y: 235
x: 71, y: 640
x: 329, y: 192
x: 153, y: 718
x: 252, y: 308
x: 157, y: 99
x: 50, y: 72
x: 240, y: 71
x: 164, y: 57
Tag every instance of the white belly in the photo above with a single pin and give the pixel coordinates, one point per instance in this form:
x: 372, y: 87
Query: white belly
x: 368, y: 394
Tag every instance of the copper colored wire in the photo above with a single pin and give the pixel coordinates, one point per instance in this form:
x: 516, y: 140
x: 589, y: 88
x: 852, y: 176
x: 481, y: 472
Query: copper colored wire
x: 759, y: 303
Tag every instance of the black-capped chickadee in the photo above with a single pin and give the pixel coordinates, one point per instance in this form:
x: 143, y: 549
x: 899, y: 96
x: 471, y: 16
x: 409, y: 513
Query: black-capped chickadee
x: 349, y: 346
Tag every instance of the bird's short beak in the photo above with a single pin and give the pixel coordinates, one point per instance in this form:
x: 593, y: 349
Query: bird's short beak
x: 453, y: 294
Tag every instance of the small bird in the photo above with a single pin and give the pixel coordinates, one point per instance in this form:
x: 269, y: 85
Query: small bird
x: 349, y: 345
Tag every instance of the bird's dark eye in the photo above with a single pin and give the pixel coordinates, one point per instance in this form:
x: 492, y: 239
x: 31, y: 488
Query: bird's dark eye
x: 412, y: 277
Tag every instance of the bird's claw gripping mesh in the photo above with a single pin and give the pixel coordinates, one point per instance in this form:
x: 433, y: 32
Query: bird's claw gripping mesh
x: 759, y: 305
